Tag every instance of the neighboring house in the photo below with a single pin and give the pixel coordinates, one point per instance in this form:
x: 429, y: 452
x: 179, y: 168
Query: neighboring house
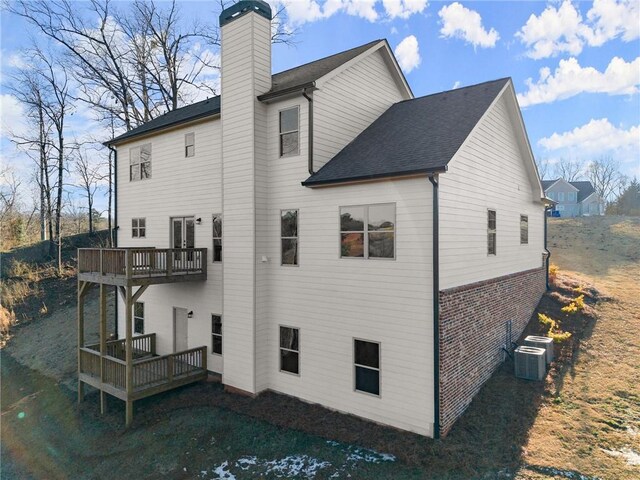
x: 573, y: 199
x: 322, y: 233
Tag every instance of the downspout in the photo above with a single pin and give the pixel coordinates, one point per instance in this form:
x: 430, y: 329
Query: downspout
x: 546, y: 210
x: 115, y: 226
x: 436, y: 308
x: 310, y: 140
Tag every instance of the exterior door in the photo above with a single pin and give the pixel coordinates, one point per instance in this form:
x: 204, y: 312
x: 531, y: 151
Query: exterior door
x: 180, y: 329
x: 182, y: 236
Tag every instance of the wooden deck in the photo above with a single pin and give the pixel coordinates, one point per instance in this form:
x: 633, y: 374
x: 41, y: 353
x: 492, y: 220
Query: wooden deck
x: 151, y: 374
x: 141, y: 266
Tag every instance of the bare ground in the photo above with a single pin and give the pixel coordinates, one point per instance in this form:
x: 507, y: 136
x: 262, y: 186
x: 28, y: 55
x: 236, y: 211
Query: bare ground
x: 581, y: 423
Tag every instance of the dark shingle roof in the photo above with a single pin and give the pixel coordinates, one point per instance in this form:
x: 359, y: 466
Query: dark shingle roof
x: 413, y: 136
x: 585, y: 188
x: 281, y: 82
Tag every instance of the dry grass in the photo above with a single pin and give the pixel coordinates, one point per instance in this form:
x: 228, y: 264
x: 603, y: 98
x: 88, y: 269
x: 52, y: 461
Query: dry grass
x: 596, y: 413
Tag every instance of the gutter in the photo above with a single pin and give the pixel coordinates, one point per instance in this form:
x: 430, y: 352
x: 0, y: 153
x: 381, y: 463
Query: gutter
x: 547, y: 209
x: 433, y: 178
x: 310, y: 137
x: 287, y: 91
x: 115, y: 225
x: 374, y: 176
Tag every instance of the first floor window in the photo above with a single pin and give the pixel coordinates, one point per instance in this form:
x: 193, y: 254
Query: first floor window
x: 491, y: 232
x: 217, y: 238
x: 367, y: 364
x: 138, y: 228
x: 138, y: 318
x: 216, y: 334
x: 524, y: 229
x: 140, y: 162
x: 289, y: 237
x: 289, y: 350
x: 368, y: 231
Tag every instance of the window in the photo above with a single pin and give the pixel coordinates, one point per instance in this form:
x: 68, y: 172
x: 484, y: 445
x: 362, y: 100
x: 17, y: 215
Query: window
x: 138, y: 318
x: 561, y: 196
x: 189, y: 144
x: 289, y: 132
x: 216, y: 334
x: 289, y: 237
x: 367, y: 364
x: 524, y: 229
x: 491, y: 232
x: 138, y: 228
x: 289, y: 350
x: 572, y: 196
x: 217, y: 238
x: 368, y: 231
x: 140, y: 162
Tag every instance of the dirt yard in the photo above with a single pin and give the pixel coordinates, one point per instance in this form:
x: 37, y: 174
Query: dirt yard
x: 582, y: 423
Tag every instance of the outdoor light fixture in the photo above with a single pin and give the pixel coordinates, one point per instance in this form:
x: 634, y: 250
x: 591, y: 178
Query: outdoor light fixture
x: 198, y: 221
x: 190, y: 314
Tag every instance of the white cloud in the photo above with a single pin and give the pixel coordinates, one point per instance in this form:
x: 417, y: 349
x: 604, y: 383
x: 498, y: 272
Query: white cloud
x: 597, y: 138
x: 460, y: 22
x: 394, y: 31
x: 569, y: 79
x: 403, y: 8
x: 408, y: 54
x: 563, y: 29
x: 456, y: 85
x: 12, y: 115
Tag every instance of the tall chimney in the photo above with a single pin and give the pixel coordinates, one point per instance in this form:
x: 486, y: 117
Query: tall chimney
x: 246, y: 73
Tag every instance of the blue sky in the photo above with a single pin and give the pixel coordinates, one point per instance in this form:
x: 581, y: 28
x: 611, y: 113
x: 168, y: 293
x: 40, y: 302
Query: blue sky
x: 575, y: 65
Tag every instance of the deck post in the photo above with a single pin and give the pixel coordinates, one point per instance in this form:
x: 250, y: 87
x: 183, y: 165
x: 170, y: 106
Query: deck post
x: 103, y: 341
x: 129, y: 352
x: 81, y: 287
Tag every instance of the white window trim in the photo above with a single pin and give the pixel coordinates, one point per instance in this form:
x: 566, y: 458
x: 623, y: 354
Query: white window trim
x: 495, y: 232
x: 186, y: 135
x: 289, y: 350
x: 135, y: 317
x: 379, y: 369
x: 137, y: 229
x: 213, y: 254
x: 280, y: 133
x: 366, y: 232
x: 297, y: 238
x: 139, y: 163
x: 527, y: 229
x: 221, y: 334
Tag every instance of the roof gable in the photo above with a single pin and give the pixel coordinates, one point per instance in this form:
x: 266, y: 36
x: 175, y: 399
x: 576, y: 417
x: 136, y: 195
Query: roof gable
x: 414, y: 136
x: 561, y: 182
x: 585, y: 189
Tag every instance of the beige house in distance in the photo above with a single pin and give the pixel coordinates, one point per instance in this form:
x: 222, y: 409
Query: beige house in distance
x: 322, y: 233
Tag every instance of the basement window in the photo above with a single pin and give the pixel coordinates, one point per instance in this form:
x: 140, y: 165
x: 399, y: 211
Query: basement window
x: 368, y: 231
x: 217, y: 238
x: 524, y: 229
x: 140, y: 162
x: 138, y: 318
x: 138, y: 228
x: 367, y: 366
x: 289, y: 350
x: 289, y: 237
x: 289, y: 132
x: 491, y: 232
x: 189, y: 144
x: 216, y: 334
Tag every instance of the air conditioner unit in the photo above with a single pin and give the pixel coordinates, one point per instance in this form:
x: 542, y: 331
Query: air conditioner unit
x: 530, y: 362
x: 541, y: 342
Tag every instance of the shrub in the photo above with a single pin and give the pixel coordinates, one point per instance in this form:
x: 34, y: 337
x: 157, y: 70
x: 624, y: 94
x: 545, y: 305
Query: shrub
x: 553, y: 272
x: 553, y: 331
x: 575, y: 305
x: 7, y: 319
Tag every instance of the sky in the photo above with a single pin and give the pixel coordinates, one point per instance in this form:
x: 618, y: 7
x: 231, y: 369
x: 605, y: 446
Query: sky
x: 575, y: 65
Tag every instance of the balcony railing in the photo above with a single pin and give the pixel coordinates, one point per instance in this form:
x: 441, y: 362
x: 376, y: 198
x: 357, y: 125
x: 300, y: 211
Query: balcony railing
x: 141, y: 265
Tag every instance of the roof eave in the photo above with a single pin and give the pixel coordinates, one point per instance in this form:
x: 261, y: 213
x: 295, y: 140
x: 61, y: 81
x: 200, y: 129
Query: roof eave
x: 265, y: 97
x: 373, y: 177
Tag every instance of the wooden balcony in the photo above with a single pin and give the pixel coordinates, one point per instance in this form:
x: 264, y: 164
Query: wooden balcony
x: 141, y: 266
x: 151, y: 374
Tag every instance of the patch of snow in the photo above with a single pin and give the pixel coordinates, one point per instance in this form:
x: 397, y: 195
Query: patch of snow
x: 631, y: 456
x: 562, y: 473
x: 246, y: 462
x: 633, y: 431
x: 223, y: 473
x: 357, y: 454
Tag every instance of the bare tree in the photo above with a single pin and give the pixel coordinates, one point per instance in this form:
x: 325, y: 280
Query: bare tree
x: 606, y: 178
x: 90, y: 177
x: 544, y: 168
x: 569, y: 170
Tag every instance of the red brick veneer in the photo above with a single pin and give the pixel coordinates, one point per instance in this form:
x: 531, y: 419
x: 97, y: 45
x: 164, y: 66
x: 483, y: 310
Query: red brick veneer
x: 473, y: 331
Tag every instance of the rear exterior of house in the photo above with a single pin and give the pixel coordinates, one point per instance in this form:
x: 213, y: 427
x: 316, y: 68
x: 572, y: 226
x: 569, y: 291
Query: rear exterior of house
x: 378, y: 284
x: 573, y: 199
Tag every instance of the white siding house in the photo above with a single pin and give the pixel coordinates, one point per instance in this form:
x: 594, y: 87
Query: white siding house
x: 291, y: 163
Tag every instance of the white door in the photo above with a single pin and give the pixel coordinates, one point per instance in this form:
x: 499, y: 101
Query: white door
x: 182, y: 236
x: 180, y: 329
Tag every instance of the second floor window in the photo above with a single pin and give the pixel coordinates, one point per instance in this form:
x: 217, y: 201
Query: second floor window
x: 189, y: 144
x: 561, y: 196
x: 524, y: 229
x: 289, y: 132
x: 289, y: 237
x: 138, y: 228
x: 140, y: 162
x: 217, y: 238
x: 491, y: 232
x: 368, y: 231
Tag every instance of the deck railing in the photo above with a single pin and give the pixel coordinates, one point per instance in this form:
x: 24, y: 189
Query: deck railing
x: 147, y: 372
x: 142, y: 262
x: 142, y: 346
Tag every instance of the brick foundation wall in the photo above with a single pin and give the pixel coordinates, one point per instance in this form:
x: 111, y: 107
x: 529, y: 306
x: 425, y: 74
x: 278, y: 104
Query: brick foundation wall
x: 473, y: 331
